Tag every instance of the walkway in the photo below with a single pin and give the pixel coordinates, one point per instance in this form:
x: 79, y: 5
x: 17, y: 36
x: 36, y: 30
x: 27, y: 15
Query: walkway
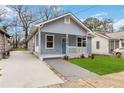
x: 23, y: 69
x: 70, y: 71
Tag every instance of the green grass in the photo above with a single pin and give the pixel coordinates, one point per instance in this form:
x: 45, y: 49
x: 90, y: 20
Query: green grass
x: 101, y: 64
x: 19, y: 49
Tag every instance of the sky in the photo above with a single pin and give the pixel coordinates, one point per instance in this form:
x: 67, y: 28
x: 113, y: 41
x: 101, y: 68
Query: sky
x: 101, y: 11
x: 116, y: 12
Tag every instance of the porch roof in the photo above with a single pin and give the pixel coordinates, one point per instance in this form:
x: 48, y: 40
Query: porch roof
x: 116, y: 35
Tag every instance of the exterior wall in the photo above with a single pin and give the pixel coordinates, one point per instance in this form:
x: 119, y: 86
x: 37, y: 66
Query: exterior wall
x: 31, y: 44
x: 89, y: 45
x: 72, y: 40
x: 4, y: 45
x: 57, y: 44
x: 59, y: 26
x: 1, y: 43
x: 104, y: 45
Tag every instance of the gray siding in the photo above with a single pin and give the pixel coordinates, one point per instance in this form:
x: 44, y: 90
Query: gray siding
x: 72, y: 40
x: 57, y: 44
x: 59, y: 26
x: 89, y: 45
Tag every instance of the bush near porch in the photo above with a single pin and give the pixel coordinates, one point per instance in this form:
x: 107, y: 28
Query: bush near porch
x: 100, y: 64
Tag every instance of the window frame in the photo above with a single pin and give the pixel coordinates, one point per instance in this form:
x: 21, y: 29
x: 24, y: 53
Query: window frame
x: 98, y: 43
x: 82, y: 41
x: 49, y: 41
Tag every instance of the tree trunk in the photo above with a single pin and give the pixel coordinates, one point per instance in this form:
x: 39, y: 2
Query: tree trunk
x: 26, y: 35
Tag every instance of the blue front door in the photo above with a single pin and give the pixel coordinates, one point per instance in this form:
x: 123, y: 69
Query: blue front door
x: 63, y: 45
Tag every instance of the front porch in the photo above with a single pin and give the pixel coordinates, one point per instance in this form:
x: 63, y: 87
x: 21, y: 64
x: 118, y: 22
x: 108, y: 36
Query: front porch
x: 115, y: 43
x: 56, y: 45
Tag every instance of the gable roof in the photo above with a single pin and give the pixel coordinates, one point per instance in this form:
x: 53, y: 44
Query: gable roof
x: 116, y: 35
x: 35, y: 26
x: 101, y: 35
x: 66, y: 14
x: 2, y: 31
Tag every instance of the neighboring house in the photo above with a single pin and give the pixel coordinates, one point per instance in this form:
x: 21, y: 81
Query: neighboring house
x: 62, y: 36
x: 106, y: 43
x: 100, y: 44
x: 4, y: 42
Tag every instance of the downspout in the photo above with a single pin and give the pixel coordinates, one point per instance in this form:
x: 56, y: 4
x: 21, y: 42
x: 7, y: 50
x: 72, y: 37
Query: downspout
x: 39, y: 31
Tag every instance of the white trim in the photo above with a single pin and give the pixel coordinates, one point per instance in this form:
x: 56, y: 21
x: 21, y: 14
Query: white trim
x: 46, y: 41
x: 81, y: 42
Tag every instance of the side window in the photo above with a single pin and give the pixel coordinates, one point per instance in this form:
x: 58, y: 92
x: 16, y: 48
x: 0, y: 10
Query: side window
x: 97, y: 45
x: 49, y: 41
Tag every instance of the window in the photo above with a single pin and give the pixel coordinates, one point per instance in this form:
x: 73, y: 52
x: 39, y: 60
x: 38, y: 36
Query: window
x: 122, y: 44
x: 67, y: 20
x: 84, y: 42
x: 37, y: 39
x: 81, y: 42
x: 97, y: 45
x: 116, y: 44
x: 49, y: 41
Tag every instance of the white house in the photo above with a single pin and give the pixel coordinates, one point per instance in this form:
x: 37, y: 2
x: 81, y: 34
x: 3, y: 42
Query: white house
x: 62, y: 36
x: 106, y: 43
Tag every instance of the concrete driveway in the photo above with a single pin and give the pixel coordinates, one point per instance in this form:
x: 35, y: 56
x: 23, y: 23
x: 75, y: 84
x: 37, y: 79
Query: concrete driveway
x: 70, y: 71
x: 23, y: 69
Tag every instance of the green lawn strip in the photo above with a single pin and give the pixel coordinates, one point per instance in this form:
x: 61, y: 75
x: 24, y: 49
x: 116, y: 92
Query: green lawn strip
x: 19, y: 49
x: 101, y: 64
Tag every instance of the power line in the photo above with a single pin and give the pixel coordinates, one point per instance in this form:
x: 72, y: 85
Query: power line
x: 85, y: 9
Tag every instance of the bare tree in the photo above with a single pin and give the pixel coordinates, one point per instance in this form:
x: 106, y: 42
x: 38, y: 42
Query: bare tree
x: 48, y: 12
x: 26, y: 16
x: 2, y: 13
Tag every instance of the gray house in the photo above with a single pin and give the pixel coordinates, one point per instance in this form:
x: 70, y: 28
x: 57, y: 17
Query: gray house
x: 62, y: 36
x: 4, y: 42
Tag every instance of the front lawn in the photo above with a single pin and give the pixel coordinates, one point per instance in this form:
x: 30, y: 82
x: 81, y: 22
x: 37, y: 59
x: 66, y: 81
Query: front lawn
x: 101, y: 64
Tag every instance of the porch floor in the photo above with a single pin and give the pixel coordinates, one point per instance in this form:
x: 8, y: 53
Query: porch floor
x: 52, y: 56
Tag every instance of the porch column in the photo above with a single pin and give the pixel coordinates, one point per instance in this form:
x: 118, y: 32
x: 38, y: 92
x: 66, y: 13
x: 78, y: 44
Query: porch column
x: 39, y: 43
x: 120, y: 43
x: 114, y: 44
x: 67, y: 41
x: 86, y: 43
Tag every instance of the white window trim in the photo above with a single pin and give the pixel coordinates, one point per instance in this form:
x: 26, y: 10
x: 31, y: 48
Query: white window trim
x: 77, y: 41
x: 81, y: 42
x: 46, y: 41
